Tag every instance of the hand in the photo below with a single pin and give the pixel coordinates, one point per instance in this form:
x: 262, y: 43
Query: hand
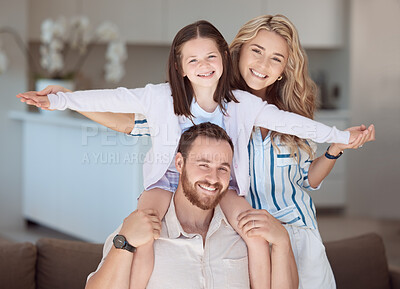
x: 32, y: 98
x: 260, y: 223
x: 359, y: 135
x: 39, y: 98
x: 141, y: 226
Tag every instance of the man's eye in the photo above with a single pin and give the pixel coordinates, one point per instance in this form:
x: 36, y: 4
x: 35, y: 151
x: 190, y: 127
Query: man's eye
x: 223, y: 169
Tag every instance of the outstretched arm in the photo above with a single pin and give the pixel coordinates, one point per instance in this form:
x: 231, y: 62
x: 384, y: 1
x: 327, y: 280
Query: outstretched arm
x: 259, y: 223
x: 121, y: 100
x: 322, y: 166
x: 121, y: 122
x: 272, y: 118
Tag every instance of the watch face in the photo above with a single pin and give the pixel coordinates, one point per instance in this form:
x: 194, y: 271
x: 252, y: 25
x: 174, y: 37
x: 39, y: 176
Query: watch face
x: 119, y: 241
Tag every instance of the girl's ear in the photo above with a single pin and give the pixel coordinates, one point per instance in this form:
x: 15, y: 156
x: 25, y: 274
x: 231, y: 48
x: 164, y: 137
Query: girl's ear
x: 179, y: 161
x: 176, y: 68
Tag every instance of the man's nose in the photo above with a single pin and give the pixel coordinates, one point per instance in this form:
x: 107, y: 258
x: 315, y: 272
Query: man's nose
x: 212, y: 176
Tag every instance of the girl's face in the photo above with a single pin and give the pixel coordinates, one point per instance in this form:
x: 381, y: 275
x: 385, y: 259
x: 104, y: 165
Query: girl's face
x: 202, y: 62
x: 262, y: 60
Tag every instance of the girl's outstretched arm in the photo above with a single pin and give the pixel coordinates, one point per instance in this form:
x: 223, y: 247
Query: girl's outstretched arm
x: 272, y: 118
x: 322, y: 166
x: 121, y: 122
x: 258, y: 248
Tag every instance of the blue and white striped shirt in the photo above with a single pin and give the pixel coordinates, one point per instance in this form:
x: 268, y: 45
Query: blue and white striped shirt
x: 278, y: 183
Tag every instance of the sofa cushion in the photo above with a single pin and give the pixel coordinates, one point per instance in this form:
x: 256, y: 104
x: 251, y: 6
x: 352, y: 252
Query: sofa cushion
x: 359, y: 262
x: 65, y: 264
x: 17, y: 265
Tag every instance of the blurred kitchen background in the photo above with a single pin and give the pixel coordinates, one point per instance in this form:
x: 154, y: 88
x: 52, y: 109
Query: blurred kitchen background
x: 62, y: 175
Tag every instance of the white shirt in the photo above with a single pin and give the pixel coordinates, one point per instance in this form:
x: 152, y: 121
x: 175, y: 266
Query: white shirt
x: 156, y: 103
x: 181, y: 261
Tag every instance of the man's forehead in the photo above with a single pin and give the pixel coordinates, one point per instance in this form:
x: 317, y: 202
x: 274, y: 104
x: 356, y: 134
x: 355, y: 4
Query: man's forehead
x: 204, y: 148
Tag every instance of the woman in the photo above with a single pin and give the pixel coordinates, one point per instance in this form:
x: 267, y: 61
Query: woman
x: 269, y: 62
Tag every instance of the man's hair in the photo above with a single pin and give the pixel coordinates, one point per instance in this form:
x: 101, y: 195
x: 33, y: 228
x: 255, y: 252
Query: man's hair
x: 206, y: 129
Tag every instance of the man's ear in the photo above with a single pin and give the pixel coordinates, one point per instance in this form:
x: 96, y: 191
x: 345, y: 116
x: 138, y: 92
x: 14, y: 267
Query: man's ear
x: 179, y: 161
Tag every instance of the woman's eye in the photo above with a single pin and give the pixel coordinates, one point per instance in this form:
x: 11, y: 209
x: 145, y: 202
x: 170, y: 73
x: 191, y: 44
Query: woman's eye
x: 258, y: 51
x: 277, y: 59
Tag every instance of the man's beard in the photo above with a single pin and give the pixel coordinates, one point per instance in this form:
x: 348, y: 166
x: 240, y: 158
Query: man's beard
x: 204, y: 202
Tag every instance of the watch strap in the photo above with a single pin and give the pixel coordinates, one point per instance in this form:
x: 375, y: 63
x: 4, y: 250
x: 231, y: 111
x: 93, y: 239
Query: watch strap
x: 332, y: 157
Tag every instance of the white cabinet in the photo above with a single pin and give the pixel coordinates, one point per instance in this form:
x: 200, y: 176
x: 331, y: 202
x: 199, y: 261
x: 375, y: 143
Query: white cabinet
x: 227, y: 15
x: 332, y: 193
x: 320, y: 23
x: 138, y: 21
x: 79, y: 178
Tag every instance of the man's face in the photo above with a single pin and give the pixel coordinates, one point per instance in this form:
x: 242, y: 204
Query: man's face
x: 206, y: 172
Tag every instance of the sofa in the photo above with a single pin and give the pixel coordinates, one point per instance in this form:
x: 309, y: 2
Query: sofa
x: 358, y: 262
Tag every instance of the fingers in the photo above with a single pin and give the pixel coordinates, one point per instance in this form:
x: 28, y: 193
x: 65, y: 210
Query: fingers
x: 371, y: 128
x: 246, y: 216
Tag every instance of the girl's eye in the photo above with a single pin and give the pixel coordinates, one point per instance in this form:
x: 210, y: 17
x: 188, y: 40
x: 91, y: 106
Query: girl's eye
x: 192, y: 61
x: 212, y: 56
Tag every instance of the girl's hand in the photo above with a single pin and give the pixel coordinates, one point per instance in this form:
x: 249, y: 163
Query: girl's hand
x: 359, y: 135
x: 52, y: 89
x: 260, y: 223
x: 39, y: 98
x: 32, y: 98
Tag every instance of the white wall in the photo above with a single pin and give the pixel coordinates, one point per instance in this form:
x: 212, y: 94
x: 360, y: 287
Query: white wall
x: 374, y: 174
x: 13, y: 14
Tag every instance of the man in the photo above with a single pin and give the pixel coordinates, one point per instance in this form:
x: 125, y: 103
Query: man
x: 195, y: 247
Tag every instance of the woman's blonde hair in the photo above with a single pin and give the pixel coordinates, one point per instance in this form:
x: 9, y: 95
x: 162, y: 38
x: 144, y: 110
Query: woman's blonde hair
x: 295, y: 92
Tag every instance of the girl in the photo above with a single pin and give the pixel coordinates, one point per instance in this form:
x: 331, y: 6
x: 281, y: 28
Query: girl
x: 269, y: 62
x: 199, y: 68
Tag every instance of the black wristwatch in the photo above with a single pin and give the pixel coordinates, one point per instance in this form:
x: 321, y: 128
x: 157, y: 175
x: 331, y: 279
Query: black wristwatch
x: 120, y: 242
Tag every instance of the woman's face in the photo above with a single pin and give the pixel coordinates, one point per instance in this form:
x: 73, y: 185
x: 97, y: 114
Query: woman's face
x: 262, y: 60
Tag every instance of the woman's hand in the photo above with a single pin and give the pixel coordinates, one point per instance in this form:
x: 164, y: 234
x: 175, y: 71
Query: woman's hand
x: 261, y: 223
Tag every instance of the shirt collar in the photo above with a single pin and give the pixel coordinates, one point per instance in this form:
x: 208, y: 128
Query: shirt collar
x: 175, y: 230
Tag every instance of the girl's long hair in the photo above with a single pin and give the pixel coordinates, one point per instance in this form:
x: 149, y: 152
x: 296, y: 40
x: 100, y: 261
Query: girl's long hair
x: 295, y: 92
x: 181, y: 88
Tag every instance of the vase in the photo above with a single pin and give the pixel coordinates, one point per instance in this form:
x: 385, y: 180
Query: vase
x: 42, y: 83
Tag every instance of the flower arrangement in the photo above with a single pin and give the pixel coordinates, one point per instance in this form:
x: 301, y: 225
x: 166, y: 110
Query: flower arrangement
x: 59, y: 38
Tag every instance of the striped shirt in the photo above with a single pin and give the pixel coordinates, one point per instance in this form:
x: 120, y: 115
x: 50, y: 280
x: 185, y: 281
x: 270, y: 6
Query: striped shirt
x: 278, y: 183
